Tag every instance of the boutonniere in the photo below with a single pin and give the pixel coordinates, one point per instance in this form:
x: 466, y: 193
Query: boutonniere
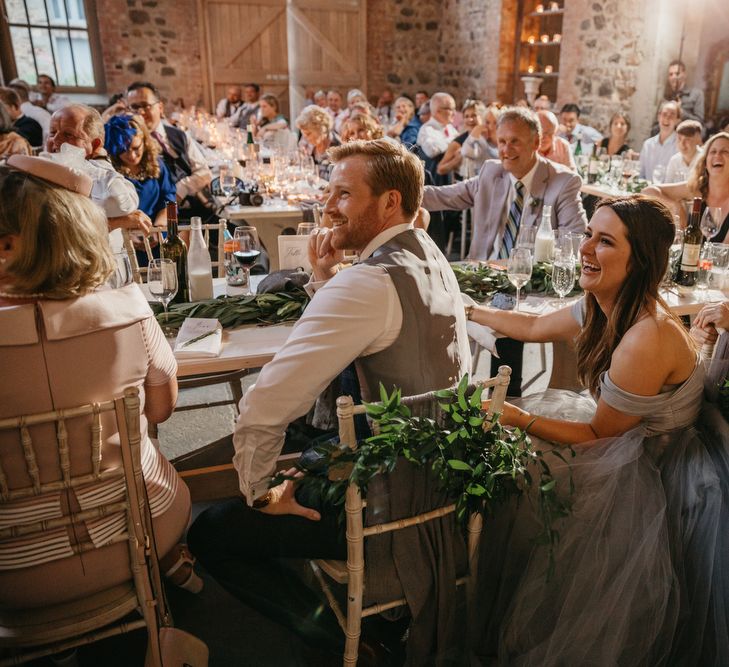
x: 534, y: 202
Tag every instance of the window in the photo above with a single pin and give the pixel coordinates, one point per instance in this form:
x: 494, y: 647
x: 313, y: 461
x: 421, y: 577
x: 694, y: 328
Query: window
x: 53, y: 37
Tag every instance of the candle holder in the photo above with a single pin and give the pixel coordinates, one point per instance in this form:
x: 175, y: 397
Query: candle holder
x: 530, y: 69
x: 532, y: 39
x: 548, y: 69
x: 556, y: 38
x: 539, y: 9
x: 531, y: 86
x: 544, y: 39
x: 553, y: 6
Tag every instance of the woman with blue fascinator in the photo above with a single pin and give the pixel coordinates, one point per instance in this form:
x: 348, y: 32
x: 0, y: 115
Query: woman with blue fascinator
x: 136, y: 155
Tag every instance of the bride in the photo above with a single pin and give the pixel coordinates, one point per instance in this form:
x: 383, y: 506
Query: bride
x: 642, y: 564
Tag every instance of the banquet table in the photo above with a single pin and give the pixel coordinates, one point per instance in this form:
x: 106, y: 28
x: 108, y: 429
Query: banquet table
x: 599, y: 190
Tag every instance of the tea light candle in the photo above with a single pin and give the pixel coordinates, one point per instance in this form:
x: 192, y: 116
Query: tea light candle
x: 553, y: 6
x: 545, y: 38
x: 530, y: 69
x: 532, y: 39
x: 548, y: 69
x: 540, y: 9
x: 557, y: 37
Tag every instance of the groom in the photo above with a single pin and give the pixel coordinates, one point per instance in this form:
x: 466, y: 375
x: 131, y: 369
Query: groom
x: 397, y: 314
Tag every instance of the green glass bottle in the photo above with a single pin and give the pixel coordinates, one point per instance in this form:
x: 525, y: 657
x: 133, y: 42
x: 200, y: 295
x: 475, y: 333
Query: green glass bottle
x: 173, y: 247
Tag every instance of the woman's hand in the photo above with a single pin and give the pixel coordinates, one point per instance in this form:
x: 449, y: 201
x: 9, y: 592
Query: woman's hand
x: 715, y: 315
x: 283, y: 500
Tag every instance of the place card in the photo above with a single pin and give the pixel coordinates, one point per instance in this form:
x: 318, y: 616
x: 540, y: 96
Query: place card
x: 293, y: 252
x: 199, y: 337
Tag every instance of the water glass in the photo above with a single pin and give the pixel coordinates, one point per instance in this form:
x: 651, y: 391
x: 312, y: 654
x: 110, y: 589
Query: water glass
x: 526, y: 236
x: 577, y: 240
x: 659, y: 174
x: 706, y: 262
x: 305, y: 228
x: 563, y: 277
x: 519, y: 270
x: 563, y: 248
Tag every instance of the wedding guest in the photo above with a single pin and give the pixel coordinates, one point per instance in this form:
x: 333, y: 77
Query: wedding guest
x: 421, y: 97
x: 59, y: 326
x: 660, y: 148
x: 229, y: 105
x: 691, y: 100
x: 649, y: 487
x: 573, y: 131
x: 49, y: 99
x: 398, y: 305
x: 182, y: 155
x: 38, y: 114
x: 438, y: 132
x: 616, y: 141
x: 553, y: 147
x: 250, y: 107
x: 407, y: 124
x: 320, y: 99
x: 479, y: 144
x: 688, y: 138
x: 11, y: 143
x: 709, y: 180
x: 424, y: 114
x: 542, y: 103
x: 24, y: 125
x: 361, y: 127
x: 77, y: 128
x: 465, y: 161
x: 334, y: 104
x: 271, y: 120
x: 386, y: 107
x: 316, y: 127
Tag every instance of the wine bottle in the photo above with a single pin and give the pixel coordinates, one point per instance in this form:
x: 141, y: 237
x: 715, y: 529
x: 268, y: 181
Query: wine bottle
x: 544, y: 242
x: 578, y: 146
x: 592, y: 169
x: 174, y: 248
x: 251, y: 147
x: 689, y: 269
x: 199, y: 266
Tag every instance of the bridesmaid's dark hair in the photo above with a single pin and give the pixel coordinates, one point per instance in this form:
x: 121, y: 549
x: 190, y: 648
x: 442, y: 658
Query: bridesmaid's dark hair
x: 650, y: 231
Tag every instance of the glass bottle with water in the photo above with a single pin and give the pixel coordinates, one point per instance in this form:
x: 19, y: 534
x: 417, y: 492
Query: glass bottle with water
x: 199, y: 266
x: 544, y: 241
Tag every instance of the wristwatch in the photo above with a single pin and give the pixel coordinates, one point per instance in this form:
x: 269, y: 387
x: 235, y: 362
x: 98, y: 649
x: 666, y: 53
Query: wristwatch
x: 263, y: 501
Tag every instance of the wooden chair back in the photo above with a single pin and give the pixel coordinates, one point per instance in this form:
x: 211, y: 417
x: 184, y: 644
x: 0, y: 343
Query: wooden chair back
x: 352, y: 573
x: 76, y: 623
x: 158, y: 235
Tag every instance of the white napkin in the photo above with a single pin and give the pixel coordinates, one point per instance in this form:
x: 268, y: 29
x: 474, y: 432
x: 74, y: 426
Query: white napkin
x: 199, y: 337
x: 481, y: 334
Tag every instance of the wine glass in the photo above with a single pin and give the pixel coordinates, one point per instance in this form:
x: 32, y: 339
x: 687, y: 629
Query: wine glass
x: 519, y: 270
x: 710, y: 222
x: 162, y: 281
x: 228, y: 183
x: 305, y: 228
x: 674, y: 254
x: 563, y: 276
x: 247, y: 250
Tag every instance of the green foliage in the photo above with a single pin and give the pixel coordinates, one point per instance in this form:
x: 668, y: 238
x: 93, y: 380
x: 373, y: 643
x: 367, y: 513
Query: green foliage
x: 234, y: 311
x: 478, y: 462
x: 482, y: 282
x: 723, y: 398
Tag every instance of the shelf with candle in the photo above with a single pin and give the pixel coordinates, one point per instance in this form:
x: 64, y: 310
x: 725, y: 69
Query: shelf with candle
x: 547, y: 12
x: 553, y: 42
x: 533, y: 71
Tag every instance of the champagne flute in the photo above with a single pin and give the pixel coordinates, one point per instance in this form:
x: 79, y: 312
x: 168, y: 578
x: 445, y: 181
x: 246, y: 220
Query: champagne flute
x: 563, y: 277
x: 247, y: 251
x: 519, y: 270
x: 162, y: 281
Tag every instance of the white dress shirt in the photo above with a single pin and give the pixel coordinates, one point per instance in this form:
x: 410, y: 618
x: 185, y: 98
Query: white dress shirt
x: 526, y: 195
x: 38, y: 114
x: 677, y: 169
x: 588, y: 136
x: 201, y: 174
x: 221, y: 108
x: 434, y: 137
x: 355, y: 314
x: 655, y: 153
x: 56, y: 102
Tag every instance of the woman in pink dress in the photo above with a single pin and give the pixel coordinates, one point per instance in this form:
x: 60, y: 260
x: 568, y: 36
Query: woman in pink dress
x: 68, y: 340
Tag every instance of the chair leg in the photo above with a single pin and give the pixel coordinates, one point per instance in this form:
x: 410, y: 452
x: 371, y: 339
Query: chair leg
x: 237, y: 391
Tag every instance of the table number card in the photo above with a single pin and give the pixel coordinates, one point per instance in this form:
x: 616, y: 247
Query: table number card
x: 293, y: 252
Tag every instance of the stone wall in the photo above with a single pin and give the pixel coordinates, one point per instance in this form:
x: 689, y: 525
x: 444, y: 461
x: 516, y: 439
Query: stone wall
x: 154, y: 40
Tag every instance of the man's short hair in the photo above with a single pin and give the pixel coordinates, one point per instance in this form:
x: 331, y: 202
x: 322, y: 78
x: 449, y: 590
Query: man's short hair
x: 92, y: 123
x: 521, y: 115
x: 438, y: 98
x: 255, y: 87
x: 136, y: 85
x: 689, y: 128
x: 571, y: 108
x: 22, y: 88
x: 680, y: 63
x: 389, y: 167
x: 549, y: 116
x: 422, y: 92
x: 665, y: 103
x: 9, y: 97
x: 50, y: 78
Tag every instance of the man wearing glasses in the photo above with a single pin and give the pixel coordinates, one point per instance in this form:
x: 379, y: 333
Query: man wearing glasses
x: 438, y: 132
x: 182, y: 155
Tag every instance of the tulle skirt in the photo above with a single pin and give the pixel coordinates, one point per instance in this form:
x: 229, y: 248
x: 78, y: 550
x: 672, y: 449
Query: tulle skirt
x: 642, y: 565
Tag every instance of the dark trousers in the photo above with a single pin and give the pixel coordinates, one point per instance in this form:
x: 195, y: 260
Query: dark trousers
x: 511, y: 353
x: 246, y: 550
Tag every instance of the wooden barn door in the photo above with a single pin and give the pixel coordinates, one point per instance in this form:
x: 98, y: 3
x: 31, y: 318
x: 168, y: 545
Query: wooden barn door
x: 285, y: 46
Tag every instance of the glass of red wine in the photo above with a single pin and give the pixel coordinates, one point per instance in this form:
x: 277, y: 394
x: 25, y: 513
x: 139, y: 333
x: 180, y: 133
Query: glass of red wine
x: 247, y: 251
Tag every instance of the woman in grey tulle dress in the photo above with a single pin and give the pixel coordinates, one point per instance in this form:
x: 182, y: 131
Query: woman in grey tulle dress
x: 642, y: 564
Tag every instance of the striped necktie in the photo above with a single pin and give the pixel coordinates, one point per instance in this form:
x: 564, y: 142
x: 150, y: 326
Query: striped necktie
x: 512, y: 222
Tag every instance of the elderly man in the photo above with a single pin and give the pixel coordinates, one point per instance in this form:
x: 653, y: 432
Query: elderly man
x: 690, y: 99
x: 397, y: 310
x: 228, y: 105
x: 38, y: 114
x: 24, y: 125
x: 77, y: 128
x: 438, y: 132
x: 183, y: 157
x: 552, y: 147
x: 510, y: 193
x: 574, y: 131
x: 249, y: 108
x: 660, y: 148
x: 49, y: 100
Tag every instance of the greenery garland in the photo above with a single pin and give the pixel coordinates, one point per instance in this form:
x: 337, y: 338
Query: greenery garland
x: 477, y: 462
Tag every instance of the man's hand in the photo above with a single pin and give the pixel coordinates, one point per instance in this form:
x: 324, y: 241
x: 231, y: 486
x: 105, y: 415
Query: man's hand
x: 134, y: 220
x: 715, y: 315
x: 322, y: 256
x: 283, y: 500
x: 478, y: 131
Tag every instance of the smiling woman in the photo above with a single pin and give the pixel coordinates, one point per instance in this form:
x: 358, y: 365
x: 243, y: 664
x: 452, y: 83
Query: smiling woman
x: 639, y: 463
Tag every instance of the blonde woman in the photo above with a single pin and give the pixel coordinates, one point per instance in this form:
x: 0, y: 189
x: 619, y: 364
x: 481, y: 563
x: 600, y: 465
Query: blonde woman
x: 361, y: 126
x: 407, y: 124
x: 316, y: 126
x: 271, y: 119
x: 64, y: 342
